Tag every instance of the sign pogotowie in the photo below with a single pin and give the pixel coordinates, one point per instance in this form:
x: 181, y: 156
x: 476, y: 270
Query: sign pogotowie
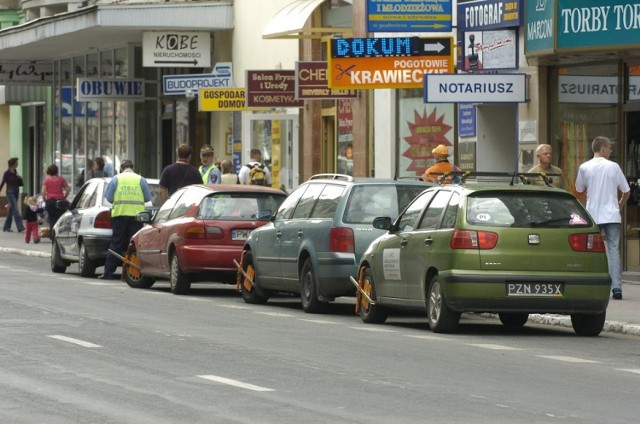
x: 89, y: 89
x: 480, y: 88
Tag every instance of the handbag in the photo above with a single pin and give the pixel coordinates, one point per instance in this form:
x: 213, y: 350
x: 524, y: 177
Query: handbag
x: 20, y: 182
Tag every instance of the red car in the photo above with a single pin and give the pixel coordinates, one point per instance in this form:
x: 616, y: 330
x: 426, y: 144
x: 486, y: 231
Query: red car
x: 197, y: 233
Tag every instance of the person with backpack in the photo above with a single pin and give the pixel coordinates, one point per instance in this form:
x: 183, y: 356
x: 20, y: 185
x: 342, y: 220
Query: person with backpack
x: 255, y: 172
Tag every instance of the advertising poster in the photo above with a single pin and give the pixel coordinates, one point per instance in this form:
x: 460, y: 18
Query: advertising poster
x: 422, y: 128
x: 345, y: 138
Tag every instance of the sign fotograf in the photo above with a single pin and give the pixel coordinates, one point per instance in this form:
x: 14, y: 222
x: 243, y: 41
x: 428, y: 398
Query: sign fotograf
x: 220, y: 77
x: 89, y: 89
x: 475, y: 88
x: 176, y: 49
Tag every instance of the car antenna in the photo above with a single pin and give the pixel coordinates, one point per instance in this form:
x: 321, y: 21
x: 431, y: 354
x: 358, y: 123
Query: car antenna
x: 515, y: 170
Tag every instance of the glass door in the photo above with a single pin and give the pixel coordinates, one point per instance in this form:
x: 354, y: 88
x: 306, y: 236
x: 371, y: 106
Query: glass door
x: 276, y: 136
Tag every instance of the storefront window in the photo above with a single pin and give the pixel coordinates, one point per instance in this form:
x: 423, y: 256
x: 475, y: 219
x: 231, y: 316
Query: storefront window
x: 79, y: 127
x: 64, y: 155
x: 121, y: 152
x: 584, y: 104
x: 421, y: 128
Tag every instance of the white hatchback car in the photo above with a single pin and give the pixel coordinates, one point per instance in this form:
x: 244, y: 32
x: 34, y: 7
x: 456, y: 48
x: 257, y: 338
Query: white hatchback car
x: 83, y: 232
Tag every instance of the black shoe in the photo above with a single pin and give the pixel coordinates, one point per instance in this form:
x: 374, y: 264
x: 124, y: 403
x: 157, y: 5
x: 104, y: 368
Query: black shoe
x: 617, y: 294
x: 8, y: 231
x: 36, y: 241
x: 21, y: 230
x: 107, y: 277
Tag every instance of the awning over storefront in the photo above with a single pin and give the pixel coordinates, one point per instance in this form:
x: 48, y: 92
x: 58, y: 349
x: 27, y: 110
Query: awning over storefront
x: 103, y: 26
x: 290, y: 21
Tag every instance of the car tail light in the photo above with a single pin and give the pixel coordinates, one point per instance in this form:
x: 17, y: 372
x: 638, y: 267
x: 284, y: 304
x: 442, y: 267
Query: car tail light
x: 214, y: 233
x: 194, y: 232
x: 341, y: 240
x: 587, y: 242
x: 464, y: 239
x: 102, y: 220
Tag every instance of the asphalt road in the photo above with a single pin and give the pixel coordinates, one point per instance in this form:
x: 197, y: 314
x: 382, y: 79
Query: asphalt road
x: 76, y: 350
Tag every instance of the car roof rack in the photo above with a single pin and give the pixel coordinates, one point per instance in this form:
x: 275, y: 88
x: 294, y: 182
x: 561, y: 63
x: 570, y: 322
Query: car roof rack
x: 524, y: 177
x: 341, y: 177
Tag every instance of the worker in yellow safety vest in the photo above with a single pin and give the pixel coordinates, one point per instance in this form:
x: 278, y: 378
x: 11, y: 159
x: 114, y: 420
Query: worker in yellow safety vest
x: 127, y: 192
x: 208, y: 170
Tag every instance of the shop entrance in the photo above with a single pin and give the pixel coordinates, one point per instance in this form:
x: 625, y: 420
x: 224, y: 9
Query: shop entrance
x: 631, y: 255
x: 276, y: 136
x: 496, y: 148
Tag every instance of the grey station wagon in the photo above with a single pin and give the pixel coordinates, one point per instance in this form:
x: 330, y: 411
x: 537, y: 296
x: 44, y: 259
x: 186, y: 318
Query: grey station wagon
x: 316, y: 239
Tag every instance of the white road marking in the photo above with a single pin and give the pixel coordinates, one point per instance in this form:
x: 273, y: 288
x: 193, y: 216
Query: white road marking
x: 426, y: 337
x: 374, y: 329
x: 99, y: 284
x: 194, y: 299
x: 236, y: 383
x: 70, y: 278
x: 318, y: 321
x: 494, y: 346
x: 635, y: 371
x: 274, y: 314
x: 74, y: 341
x: 570, y: 359
x: 19, y: 270
x: 227, y: 305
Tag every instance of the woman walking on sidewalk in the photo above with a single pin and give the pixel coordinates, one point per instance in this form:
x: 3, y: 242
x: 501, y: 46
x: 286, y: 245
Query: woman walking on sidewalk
x: 54, y: 188
x: 13, y: 180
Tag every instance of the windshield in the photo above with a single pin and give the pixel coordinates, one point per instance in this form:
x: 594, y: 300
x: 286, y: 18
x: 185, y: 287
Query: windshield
x: 526, y: 210
x: 369, y: 201
x: 238, y: 206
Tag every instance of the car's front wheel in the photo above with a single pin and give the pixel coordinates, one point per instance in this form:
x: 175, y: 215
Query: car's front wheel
x: 58, y: 265
x: 309, y: 290
x: 132, y: 275
x: 86, y: 266
x: 180, y: 283
x: 513, y: 320
x: 369, y: 313
x: 251, y: 293
x: 441, y: 318
x: 588, y: 325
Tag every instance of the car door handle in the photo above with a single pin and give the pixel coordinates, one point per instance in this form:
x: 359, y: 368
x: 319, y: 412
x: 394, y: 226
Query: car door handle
x: 428, y: 241
x: 300, y: 233
x: 403, y: 243
x: 278, y: 234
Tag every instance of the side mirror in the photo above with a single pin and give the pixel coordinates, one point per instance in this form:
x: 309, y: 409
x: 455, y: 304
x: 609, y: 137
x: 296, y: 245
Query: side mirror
x: 144, y: 217
x: 263, y: 215
x: 382, y: 223
x: 62, y: 205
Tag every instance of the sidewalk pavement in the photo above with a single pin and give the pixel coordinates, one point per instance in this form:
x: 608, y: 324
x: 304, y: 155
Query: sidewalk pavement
x: 623, y: 316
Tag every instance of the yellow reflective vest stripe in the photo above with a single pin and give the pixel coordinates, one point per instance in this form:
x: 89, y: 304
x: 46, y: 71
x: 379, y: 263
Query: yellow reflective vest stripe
x: 128, y: 199
x: 204, y: 172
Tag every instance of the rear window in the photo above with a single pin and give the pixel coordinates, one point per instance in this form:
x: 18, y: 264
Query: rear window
x: 526, y: 210
x: 369, y: 201
x: 238, y: 206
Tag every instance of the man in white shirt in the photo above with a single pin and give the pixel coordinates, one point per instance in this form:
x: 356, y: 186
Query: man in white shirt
x: 256, y: 161
x: 603, y: 179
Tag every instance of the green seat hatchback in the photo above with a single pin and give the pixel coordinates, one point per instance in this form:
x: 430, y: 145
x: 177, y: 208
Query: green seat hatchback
x: 488, y: 247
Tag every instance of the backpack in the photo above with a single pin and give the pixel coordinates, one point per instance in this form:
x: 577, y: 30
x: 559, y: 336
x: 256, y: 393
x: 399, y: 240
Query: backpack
x: 257, y: 176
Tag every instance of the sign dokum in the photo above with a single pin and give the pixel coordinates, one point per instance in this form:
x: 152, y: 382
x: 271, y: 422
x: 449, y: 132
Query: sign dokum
x: 176, y: 49
x: 480, y: 88
x: 221, y: 77
x: 110, y: 89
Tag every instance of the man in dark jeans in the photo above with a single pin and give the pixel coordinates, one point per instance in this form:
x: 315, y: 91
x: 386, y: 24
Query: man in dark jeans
x: 13, y: 182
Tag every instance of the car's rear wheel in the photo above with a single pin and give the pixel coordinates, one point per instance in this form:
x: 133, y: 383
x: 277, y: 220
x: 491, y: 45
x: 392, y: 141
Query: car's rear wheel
x: 513, y: 320
x: 588, y: 325
x: 180, y: 283
x: 86, y: 266
x: 309, y: 290
x: 58, y: 265
x: 132, y: 275
x: 441, y: 318
x: 371, y: 314
x: 251, y: 293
